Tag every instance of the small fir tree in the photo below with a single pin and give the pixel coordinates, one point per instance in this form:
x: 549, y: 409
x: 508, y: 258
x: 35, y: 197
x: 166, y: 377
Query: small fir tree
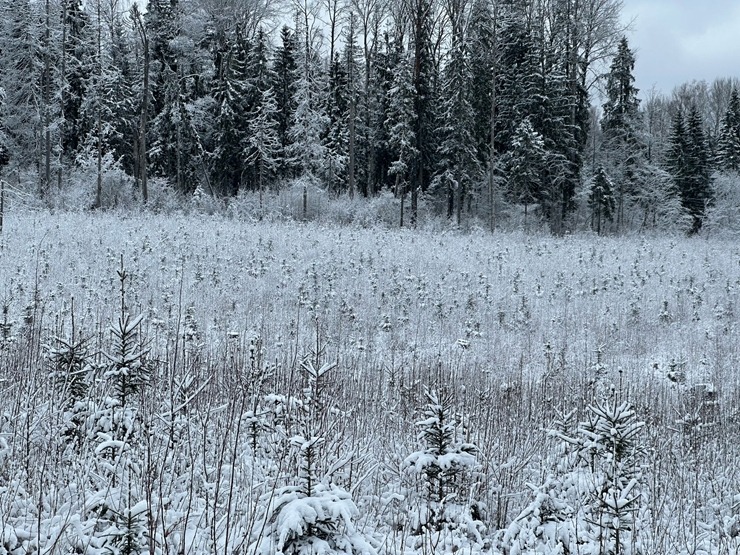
x: 444, y: 464
x: 128, y: 369
x: 610, y: 443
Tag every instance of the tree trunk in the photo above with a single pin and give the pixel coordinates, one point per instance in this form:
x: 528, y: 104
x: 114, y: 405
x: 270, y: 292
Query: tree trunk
x: 403, y: 198
x: 2, y: 203
x: 178, y: 155
x: 143, y: 127
x: 99, y: 185
x: 450, y: 201
x: 47, y: 102
x: 351, y: 169
x: 305, y: 202
x: 143, y: 121
x: 99, y: 131
x: 414, y: 203
x: 460, y: 201
x: 492, y: 146
x: 64, y: 81
x: 260, y: 181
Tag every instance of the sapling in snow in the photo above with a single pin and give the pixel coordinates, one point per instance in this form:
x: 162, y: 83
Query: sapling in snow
x: 129, y: 368
x: 72, y: 370
x: 444, y: 465
x: 314, y: 517
x: 589, y: 499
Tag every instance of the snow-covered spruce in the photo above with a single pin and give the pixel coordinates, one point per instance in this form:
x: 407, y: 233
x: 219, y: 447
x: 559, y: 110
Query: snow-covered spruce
x: 310, y: 518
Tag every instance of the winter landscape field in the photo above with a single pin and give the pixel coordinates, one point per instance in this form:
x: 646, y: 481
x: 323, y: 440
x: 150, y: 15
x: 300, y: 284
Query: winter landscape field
x: 201, y: 384
x: 369, y: 277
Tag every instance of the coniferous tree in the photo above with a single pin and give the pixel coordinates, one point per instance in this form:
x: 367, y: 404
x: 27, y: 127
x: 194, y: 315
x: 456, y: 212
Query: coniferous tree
x: 446, y: 461
x: 688, y: 162
x: 622, y: 104
x: 262, y: 149
x: 610, y: 439
x: 421, y: 22
x: 620, y: 127
x: 483, y: 62
x: 116, y: 90
x: 375, y: 154
x: 162, y: 27
x: 285, y: 75
x: 676, y: 155
x: 231, y: 119
x: 562, y: 143
x: 78, y: 54
x: 459, y: 168
x: 524, y: 164
x: 128, y: 369
x: 171, y: 141
x: 352, y: 71
x: 696, y: 190
x: 601, y: 200
x: 261, y: 143
x: 401, y: 125
x: 532, y: 85
x: 20, y: 78
x: 728, y: 145
x: 520, y: 77
x: 308, y: 149
x: 336, y: 134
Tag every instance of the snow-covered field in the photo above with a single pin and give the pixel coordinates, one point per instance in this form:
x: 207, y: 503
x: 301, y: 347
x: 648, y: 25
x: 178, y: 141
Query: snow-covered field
x: 312, y: 389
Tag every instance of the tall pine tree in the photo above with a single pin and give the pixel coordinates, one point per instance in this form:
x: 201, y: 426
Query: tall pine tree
x: 688, y: 162
x: 285, y: 77
x: 459, y: 166
x: 728, y: 145
x: 696, y: 191
x: 620, y: 126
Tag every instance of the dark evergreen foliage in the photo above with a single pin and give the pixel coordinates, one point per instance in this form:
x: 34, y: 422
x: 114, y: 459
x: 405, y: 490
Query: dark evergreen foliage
x: 601, y: 200
x: 285, y: 74
x: 622, y: 104
x: 231, y: 95
x: 689, y: 162
x: 728, y: 147
x: 620, y: 125
x: 79, y: 55
x: 221, y: 94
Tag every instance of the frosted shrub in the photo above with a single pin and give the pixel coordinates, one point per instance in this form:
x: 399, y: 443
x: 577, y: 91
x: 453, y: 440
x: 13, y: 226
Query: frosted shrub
x: 163, y: 198
x: 545, y: 525
x: 203, y: 203
x: 122, y: 531
x: 304, y: 199
x: 721, y: 216
x: 79, y: 188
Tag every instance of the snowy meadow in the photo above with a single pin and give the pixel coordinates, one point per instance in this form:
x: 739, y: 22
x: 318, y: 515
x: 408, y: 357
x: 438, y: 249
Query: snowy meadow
x: 196, y: 384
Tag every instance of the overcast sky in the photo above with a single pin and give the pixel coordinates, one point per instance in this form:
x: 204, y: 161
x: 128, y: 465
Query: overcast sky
x: 680, y: 40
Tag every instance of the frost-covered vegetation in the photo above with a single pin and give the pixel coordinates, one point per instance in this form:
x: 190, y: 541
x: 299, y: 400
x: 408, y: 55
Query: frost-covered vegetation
x: 493, y: 113
x: 193, y: 385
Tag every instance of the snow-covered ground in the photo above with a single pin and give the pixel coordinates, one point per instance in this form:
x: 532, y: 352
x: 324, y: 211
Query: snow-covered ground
x: 313, y: 389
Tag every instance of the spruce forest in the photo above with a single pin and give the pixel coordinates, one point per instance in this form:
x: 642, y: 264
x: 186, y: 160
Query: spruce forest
x: 362, y: 277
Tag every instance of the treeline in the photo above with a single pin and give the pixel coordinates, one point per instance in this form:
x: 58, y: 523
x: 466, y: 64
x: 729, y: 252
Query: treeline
x: 478, y: 108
